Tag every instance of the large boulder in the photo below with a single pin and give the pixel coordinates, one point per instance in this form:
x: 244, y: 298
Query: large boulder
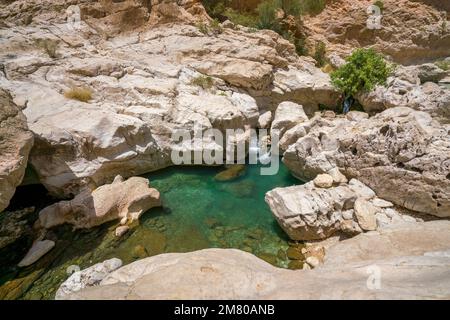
x: 287, y: 115
x: 415, y: 269
x: 15, y: 145
x: 411, y: 87
x: 123, y: 200
x: 402, y: 154
x: 308, y: 212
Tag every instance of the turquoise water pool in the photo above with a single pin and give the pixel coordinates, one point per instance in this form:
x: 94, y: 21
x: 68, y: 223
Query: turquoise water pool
x: 198, y: 212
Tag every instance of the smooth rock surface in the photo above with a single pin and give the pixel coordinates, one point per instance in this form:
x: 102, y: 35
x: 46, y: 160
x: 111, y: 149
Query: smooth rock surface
x: 124, y: 200
x: 412, y: 270
x: 37, y: 251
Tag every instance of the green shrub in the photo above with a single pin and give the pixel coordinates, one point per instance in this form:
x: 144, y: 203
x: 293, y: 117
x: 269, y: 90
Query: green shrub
x: 79, y: 93
x: 243, y: 19
x: 364, y: 69
x: 215, y: 26
x: 267, y: 15
x: 202, y: 27
x: 379, y: 4
x: 204, y: 82
x: 312, y: 7
x: 443, y: 64
x: 319, y: 54
x: 291, y: 7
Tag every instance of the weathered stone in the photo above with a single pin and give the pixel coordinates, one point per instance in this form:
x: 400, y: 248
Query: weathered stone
x: 365, y: 214
x: 313, y: 262
x: 323, y: 181
x: 89, y: 277
x: 37, y: 251
x: 306, y: 212
x: 342, y: 27
x: 231, y: 173
x: 123, y: 200
x: 265, y: 120
x: 120, y: 231
x: 15, y: 145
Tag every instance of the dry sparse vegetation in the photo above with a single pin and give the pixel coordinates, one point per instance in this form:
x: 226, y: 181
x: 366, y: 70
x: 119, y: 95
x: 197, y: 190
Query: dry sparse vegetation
x: 205, y: 82
x: 79, y: 93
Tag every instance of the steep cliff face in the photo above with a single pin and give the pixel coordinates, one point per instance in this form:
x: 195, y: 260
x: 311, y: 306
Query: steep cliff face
x: 15, y: 145
x: 411, y: 31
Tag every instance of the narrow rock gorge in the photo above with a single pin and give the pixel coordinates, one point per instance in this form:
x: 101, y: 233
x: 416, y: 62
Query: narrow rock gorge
x: 99, y: 98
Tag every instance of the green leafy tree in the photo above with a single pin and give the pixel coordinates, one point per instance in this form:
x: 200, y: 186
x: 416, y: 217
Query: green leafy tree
x: 365, y: 69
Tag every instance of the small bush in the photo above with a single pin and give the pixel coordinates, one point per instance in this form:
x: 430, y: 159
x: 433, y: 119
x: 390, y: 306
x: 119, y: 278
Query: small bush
x: 215, y: 26
x: 379, y: 4
x: 243, y: 19
x: 204, y: 82
x: 267, y: 15
x: 364, y: 69
x: 291, y: 7
x: 312, y: 7
x: 49, y: 46
x: 79, y: 93
x: 202, y: 27
x: 319, y: 54
x: 443, y: 64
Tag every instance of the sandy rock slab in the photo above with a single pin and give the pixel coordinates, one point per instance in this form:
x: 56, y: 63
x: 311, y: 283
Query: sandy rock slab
x: 413, y: 270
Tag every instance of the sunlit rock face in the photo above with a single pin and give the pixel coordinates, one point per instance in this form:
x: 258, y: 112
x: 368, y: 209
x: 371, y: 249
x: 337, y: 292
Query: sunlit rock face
x: 151, y: 69
x: 402, y: 154
x: 15, y: 145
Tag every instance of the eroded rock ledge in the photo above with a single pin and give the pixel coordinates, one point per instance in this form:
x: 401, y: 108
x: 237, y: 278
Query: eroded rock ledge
x: 412, y: 260
x: 401, y: 154
x: 15, y: 145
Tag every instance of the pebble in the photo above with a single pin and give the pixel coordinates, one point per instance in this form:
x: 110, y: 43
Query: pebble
x: 313, y: 262
x: 120, y: 231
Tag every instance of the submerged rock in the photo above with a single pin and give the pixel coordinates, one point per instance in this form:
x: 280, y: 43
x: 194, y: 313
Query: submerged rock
x: 37, y: 251
x: 124, y: 200
x: 231, y: 173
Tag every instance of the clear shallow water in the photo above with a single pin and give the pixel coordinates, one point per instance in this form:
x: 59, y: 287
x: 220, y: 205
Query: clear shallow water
x: 198, y: 212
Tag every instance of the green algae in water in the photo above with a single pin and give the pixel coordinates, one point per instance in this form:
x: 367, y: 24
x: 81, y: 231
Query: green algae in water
x: 198, y: 212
